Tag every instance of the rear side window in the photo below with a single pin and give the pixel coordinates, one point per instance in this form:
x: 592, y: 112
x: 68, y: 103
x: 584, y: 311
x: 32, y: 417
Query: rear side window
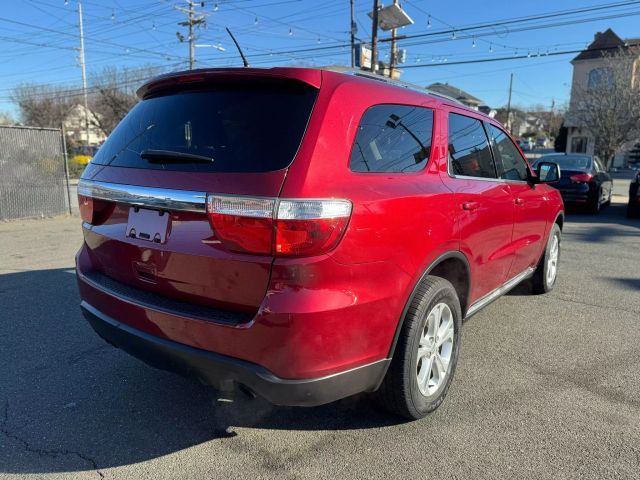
x: 509, y: 162
x: 469, y: 153
x: 392, y: 138
x: 242, y: 128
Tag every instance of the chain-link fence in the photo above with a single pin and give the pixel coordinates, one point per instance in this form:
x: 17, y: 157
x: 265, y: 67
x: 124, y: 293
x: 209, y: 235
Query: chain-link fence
x: 32, y: 173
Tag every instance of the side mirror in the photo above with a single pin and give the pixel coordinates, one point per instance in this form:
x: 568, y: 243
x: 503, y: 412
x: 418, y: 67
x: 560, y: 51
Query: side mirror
x: 548, y: 172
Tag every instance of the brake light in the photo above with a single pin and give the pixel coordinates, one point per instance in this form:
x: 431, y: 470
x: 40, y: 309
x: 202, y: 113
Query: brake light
x: 86, y: 208
x: 581, y: 178
x: 92, y: 210
x: 282, y: 228
x: 242, y: 224
x: 191, y: 78
x: 310, y: 227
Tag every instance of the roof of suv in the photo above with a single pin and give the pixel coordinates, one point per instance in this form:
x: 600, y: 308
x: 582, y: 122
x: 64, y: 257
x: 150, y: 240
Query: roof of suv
x: 311, y: 76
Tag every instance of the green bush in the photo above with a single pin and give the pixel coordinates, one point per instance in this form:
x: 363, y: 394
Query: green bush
x: 75, y: 168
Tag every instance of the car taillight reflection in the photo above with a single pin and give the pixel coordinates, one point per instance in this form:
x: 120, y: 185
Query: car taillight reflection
x: 93, y: 210
x: 581, y: 178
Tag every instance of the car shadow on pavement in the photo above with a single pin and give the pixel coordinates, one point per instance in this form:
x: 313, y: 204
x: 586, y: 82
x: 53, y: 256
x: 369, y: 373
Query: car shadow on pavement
x: 612, y: 214
x: 70, y: 402
x: 631, y: 284
x: 611, y: 221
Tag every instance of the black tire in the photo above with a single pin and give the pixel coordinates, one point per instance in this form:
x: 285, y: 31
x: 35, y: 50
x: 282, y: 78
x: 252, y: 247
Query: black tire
x: 540, y: 281
x: 632, y: 210
x: 399, y: 392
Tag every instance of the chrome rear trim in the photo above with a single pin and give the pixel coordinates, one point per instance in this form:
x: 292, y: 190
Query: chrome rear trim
x: 152, y: 197
x: 491, y: 296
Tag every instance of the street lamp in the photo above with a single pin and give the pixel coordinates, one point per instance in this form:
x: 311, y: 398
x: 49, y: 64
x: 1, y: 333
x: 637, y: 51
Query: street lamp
x: 391, y: 18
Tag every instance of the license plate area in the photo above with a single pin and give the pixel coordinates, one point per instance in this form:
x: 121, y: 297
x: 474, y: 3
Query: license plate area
x: 148, y: 225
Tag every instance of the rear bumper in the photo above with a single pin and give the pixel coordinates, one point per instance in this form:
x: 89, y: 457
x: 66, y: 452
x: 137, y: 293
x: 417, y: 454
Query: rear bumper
x: 580, y: 193
x: 222, y: 371
x: 300, y: 331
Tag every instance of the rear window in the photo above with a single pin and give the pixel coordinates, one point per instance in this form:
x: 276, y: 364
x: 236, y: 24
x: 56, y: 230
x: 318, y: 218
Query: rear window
x: 569, y: 162
x: 241, y: 128
x: 392, y: 138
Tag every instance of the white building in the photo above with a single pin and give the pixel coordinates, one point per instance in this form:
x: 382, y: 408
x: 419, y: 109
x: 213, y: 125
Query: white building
x: 75, y: 128
x: 589, y: 69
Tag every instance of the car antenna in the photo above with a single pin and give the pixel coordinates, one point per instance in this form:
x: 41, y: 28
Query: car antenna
x: 244, y: 59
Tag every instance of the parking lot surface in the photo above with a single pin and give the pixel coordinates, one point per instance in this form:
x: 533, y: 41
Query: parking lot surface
x: 546, y: 387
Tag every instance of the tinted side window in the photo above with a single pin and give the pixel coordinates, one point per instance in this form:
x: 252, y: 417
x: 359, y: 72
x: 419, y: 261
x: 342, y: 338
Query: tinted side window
x: 392, y: 138
x: 508, y: 159
x: 469, y: 152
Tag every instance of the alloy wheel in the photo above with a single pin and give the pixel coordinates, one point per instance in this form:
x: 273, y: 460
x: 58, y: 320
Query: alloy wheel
x: 552, y: 261
x: 435, y: 350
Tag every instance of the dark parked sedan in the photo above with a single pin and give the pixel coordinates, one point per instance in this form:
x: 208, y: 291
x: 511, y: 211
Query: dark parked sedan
x: 633, y: 207
x: 584, y: 180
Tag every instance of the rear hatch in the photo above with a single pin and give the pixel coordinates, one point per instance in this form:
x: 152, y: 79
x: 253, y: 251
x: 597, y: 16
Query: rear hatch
x: 143, y: 195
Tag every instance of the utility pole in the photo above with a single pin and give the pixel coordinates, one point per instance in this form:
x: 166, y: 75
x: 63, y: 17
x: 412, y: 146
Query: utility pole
x: 353, y: 36
x: 508, y: 123
x: 84, y: 74
x: 374, y: 37
x: 192, y: 45
x: 393, y: 57
x: 193, y: 20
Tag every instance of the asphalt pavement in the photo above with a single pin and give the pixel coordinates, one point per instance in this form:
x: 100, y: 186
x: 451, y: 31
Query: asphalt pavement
x: 546, y: 387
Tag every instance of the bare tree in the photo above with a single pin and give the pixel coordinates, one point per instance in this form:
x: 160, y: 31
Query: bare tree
x: 609, y: 104
x: 551, y: 118
x: 516, y: 117
x: 113, y: 94
x: 44, y: 105
x: 6, y: 119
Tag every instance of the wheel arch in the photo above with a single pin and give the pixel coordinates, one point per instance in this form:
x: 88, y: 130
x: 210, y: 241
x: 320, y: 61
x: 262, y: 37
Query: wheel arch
x: 452, y: 266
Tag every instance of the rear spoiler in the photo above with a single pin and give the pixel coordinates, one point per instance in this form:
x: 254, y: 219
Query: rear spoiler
x: 310, y: 76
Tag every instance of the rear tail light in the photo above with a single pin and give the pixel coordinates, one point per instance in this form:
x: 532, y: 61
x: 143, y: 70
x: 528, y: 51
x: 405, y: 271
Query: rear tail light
x: 310, y: 227
x: 278, y: 227
x: 93, y: 210
x: 242, y: 224
x: 86, y: 208
x: 581, y: 178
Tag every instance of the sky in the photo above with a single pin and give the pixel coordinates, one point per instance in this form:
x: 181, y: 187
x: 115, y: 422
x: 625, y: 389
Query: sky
x: 39, y: 40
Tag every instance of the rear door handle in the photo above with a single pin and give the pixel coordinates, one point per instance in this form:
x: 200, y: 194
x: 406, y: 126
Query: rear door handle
x: 519, y: 201
x: 470, y: 206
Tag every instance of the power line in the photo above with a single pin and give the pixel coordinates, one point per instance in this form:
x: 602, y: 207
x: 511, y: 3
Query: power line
x: 78, y: 92
x: 447, y: 39
x: 513, y: 20
x: 516, y: 57
x: 66, y: 34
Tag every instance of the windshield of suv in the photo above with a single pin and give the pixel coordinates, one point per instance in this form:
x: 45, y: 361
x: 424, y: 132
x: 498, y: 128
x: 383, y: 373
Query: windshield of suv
x: 242, y: 128
x: 568, y: 162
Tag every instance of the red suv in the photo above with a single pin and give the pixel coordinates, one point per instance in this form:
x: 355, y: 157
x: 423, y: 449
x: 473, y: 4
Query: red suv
x: 308, y: 234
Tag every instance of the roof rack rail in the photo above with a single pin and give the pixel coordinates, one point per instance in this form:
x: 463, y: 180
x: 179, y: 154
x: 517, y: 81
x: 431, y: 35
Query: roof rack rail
x: 398, y: 83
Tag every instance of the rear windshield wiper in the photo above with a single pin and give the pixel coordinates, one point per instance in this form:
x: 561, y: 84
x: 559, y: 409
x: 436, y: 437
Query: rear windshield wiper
x: 166, y: 156
x: 126, y: 145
